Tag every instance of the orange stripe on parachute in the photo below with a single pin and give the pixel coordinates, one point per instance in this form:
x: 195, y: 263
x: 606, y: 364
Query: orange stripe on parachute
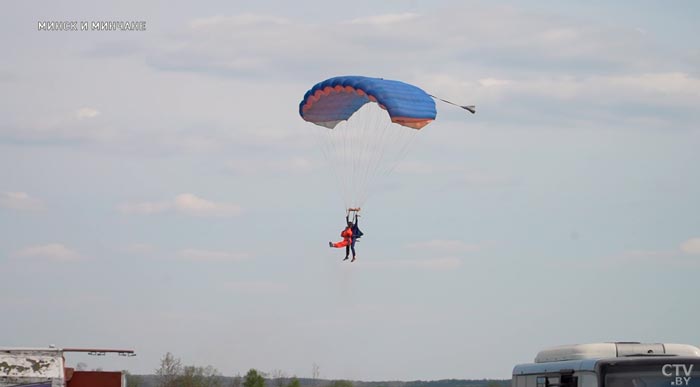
x: 326, y: 91
x: 415, y: 123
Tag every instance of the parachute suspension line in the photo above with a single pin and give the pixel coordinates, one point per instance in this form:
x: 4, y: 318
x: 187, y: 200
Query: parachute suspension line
x: 339, y: 151
x: 323, y: 137
x: 369, y: 126
x: 364, y: 126
x: 342, y: 133
x: 354, y: 160
x: 359, y: 159
x: 341, y: 140
x: 469, y: 108
x: 384, y: 137
x: 391, y: 143
x: 398, y: 158
x: 372, y: 145
x: 351, y: 167
x: 351, y: 164
x: 363, y: 150
x: 378, y: 126
x: 400, y: 140
x: 351, y: 158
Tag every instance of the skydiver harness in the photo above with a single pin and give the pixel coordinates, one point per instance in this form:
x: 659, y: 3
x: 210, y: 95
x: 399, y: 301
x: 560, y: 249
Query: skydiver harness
x: 356, y: 232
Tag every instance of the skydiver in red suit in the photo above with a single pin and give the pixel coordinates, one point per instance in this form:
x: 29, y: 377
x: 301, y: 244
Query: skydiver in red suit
x: 349, y: 234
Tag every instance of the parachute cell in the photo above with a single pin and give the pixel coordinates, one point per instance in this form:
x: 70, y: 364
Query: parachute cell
x: 336, y: 99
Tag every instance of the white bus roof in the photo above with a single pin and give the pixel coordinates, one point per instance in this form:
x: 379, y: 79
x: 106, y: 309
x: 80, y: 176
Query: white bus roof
x: 584, y: 357
x: 608, y: 350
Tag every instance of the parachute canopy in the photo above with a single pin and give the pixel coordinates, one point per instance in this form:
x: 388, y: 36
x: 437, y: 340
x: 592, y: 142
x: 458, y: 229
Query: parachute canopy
x: 372, y: 122
x: 336, y: 99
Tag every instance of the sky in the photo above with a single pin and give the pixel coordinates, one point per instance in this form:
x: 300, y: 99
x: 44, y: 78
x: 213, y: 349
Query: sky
x: 159, y: 191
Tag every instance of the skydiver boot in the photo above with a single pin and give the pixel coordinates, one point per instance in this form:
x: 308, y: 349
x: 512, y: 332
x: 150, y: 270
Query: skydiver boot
x: 346, y: 258
x: 330, y: 244
x: 353, y: 258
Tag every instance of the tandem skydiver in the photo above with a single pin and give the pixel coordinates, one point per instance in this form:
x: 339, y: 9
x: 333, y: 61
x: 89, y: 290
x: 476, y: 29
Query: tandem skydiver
x: 351, y: 233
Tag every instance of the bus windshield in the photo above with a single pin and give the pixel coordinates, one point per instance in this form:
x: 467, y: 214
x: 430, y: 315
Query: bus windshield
x: 669, y: 373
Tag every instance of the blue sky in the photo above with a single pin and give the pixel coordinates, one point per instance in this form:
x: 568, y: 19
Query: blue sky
x: 158, y: 190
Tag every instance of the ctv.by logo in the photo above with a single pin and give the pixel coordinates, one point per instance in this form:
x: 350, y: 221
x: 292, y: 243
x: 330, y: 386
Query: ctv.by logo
x: 680, y: 371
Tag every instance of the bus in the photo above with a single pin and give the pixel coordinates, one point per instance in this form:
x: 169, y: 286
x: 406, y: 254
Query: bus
x: 618, y: 364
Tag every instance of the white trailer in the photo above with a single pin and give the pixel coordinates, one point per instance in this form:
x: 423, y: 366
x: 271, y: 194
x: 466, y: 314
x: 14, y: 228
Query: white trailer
x: 33, y: 367
x: 46, y: 367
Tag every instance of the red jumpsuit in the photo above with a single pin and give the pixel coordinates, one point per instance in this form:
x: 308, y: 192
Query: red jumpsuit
x: 347, y: 238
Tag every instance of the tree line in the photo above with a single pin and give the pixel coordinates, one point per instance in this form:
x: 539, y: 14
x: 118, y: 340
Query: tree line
x: 172, y: 373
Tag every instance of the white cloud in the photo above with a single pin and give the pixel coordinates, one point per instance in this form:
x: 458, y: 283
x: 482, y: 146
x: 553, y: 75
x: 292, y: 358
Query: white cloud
x: 86, y: 112
x: 256, y: 287
x: 192, y: 205
x: 434, y: 40
x: 444, y: 245
x: 237, y: 20
x: 424, y: 168
x: 458, y: 174
x: 140, y: 248
x: 145, y: 208
x: 427, y: 46
x: 683, y: 256
x: 560, y: 35
x: 417, y: 168
x: 438, y: 264
x: 645, y: 255
x: 191, y: 255
x: 493, y: 82
x: 186, y: 204
x: 665, y: 83
x: 386, y: 19
x: 20, y: 201
x: 212, y: 256
x: 52, y: 252
x: 691, y: 246
x: 60, y: 126
x: 676, y: 85
x: 475, y: 179
x: 433, y: 264
x: 294, y: 165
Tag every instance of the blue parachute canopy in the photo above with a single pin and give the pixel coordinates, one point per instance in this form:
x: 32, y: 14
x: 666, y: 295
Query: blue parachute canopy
x: 336, y: 99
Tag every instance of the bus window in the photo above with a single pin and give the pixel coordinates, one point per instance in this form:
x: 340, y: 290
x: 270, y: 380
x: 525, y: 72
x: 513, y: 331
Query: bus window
x: 565, y: 380
x: 587, y: 379
x: 666, y: 374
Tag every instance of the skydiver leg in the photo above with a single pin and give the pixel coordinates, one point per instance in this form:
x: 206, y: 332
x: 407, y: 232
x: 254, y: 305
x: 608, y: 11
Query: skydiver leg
x: 352, y: 246
x: 347, y: 253
x: 340, y: 244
